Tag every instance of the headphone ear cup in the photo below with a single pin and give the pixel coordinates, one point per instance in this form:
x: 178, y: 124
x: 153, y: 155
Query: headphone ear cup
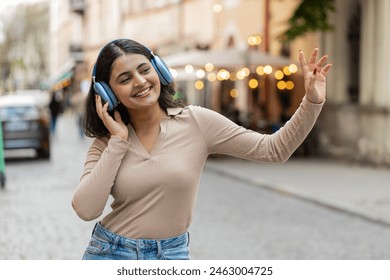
x: 162, y: 70
x: 106, y: 94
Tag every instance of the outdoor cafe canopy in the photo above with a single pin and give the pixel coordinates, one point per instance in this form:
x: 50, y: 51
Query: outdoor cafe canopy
x: 228, y: 59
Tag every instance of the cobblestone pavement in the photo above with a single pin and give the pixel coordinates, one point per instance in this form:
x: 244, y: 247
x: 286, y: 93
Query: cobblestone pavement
x: 233, y: 219
x: 351, y: 187
x: 36, y: 218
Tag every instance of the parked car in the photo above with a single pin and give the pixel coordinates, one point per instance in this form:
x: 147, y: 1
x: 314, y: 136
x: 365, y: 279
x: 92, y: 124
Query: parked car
x: 25, y: 123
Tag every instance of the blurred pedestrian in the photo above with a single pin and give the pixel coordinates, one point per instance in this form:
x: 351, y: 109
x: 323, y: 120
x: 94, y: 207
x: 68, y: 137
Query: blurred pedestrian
x: 149, y: 151
x: 55, y: 107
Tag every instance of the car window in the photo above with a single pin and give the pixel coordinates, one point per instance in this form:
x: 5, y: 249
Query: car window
x: 18, y: 112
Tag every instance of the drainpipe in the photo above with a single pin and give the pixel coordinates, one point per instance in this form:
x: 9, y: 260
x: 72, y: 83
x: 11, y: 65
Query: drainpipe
x: 266, y: 25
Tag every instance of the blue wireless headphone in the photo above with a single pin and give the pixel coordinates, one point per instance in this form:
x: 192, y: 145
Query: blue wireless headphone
x: 104, y: 90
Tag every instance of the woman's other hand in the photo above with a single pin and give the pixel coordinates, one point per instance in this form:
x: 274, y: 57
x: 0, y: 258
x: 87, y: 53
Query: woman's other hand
x: 114, y: 125
x: 314, y: 75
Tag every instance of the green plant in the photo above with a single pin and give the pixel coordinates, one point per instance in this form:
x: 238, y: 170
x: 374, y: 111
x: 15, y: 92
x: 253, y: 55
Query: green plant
x: 310, y: 15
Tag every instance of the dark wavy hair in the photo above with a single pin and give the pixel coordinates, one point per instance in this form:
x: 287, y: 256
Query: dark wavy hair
x: 92, y: 124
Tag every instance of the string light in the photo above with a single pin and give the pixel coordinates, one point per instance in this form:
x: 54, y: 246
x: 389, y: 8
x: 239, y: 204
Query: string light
x: 293, y: 68
x: 290, y: 85
x: 268, y: 69
x: 217, y: 8
x: 223, y: 75
x: 211, y: 77
x: 254, y: 40
x: 253, y: 83
x: 286, y: 70
x: 234, y: 93
x: 209, y: 67
x: 189, y: 69
x: 199, y: 85
x: 281, y: 85
x: 260, y: 70
x: 279, y: 75
x: 200, y: 73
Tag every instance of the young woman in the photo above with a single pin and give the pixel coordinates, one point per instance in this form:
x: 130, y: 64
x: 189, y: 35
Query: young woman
x: 149, y: 151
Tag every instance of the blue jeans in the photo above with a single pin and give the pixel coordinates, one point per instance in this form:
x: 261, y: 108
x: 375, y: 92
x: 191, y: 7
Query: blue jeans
x: 106, y: 245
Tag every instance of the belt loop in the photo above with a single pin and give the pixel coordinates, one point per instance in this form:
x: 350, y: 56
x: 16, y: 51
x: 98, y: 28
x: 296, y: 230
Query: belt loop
x: 159, y: 248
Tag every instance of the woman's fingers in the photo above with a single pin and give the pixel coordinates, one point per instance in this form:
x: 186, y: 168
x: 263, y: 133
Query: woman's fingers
x: 118, y: 117
x: 312, y: 62
x: 100, y: 108
x: 105, y: 108
x: 303, y: 63
x: 313, y: 65
x: 98, y: 104
x: 326, y: 69
x: 115, y: 124
x: 319, y: 63
x: 313, y: 59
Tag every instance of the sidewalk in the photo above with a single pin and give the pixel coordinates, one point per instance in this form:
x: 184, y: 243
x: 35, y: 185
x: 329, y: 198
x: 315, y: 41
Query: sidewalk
x: 356, y: 189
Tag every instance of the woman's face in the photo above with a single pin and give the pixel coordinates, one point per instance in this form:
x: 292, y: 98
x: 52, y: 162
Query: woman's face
x: 135, y: 82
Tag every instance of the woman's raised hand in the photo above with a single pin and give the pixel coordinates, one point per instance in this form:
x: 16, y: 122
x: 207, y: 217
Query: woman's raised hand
x: 115, y: 126
x: 314, y: 75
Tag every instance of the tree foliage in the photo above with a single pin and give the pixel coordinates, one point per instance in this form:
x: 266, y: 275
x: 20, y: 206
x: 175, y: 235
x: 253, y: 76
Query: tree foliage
x: 23, y: 46
x: 310, y: 15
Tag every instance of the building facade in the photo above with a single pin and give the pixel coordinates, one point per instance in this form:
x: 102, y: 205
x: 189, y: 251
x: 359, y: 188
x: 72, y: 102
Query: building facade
x: 355, y: 120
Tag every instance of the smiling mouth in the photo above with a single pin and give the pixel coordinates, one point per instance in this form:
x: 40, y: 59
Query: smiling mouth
x: 143, y: 93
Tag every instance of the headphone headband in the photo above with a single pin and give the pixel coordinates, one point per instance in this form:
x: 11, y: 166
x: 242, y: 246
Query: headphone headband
x: 168, y: 77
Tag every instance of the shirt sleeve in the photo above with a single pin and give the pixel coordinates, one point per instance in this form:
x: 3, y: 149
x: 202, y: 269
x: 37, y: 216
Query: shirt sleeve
x: 223, y: 136
x: 101, y: 166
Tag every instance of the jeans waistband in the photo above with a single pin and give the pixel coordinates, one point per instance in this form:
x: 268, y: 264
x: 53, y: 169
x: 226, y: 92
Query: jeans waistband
x: 104, y: 234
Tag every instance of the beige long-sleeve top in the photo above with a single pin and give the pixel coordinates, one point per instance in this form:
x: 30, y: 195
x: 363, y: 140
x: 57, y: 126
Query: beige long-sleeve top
x: 154, y: 193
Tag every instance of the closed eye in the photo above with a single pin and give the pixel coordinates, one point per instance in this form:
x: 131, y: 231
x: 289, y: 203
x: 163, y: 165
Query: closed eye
x: 145, y: 70
x: 125, y: 80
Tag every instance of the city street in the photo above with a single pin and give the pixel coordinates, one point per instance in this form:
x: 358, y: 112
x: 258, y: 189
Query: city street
x: 233, y: 219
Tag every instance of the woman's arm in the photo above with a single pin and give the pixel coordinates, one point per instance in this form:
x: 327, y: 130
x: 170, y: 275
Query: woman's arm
x: 225, y: 137
x: 101, y: 166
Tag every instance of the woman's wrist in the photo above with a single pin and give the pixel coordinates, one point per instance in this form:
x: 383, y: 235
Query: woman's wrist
x: 122, y: 137
x: 314, y: 101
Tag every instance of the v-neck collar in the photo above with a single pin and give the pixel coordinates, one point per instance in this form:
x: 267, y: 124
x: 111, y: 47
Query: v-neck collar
x: 174, y: 111
x: 138, y: 145
x: 160, y: 138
